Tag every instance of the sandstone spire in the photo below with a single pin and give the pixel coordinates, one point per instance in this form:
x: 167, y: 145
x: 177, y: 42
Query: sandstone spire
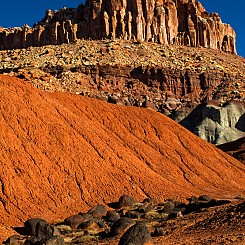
x: 182, y: 22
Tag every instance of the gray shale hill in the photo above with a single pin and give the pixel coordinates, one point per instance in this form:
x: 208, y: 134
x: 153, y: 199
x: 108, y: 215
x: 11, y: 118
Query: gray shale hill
x: 169, y: 56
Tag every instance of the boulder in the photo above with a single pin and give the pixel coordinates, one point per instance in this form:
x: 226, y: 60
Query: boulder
x: 168, y: 207
x: 125, y: 201
x: 204, y: 198
x: 159, y: 231
x: 44, y: 230
x: 151, y: 201
x: 145, y: 208
x: 138, y: 234
x: 31, y: 241
x: 121, y: 225
x: 74, y: 221
x: 193, y: 200
x: 112, y: 216
x: 86, y: 216
x: 98, y: 211
x: 31, y: 225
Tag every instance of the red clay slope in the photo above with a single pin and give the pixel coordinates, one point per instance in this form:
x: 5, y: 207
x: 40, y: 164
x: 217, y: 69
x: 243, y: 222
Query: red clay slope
x: 61, y: 153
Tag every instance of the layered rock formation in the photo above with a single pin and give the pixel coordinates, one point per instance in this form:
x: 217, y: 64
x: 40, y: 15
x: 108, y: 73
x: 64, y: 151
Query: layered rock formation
x: 182, y: 22
x: 217, y: 124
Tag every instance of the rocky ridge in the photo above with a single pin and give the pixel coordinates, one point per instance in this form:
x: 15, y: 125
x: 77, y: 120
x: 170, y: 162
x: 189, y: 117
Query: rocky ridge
x: 182, y: 22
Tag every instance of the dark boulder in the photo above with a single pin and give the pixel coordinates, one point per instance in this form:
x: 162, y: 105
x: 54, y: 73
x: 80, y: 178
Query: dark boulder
x: 179, y: 204
x: 125, y: 201
x: 146, y: 208
x: 174, y: 215
x: 168, y: 207
x: 74, y: 221
x: 138, y: 234
x: 98, y: 211
x: 204, y: 198
x: 150, y: 200
x: 121, y: 226
x: 193, y: 200
x: 112, y: 216
x: 159, y: 231
x: 86, y: 216
x: 44, y: 231
x: 31, y: 241
x: 30, y: 225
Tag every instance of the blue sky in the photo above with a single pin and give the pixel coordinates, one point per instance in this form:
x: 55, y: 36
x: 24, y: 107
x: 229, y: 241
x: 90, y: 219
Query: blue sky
x: 18, y: 12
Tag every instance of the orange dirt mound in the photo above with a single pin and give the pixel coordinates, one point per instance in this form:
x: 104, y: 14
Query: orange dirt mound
x: 62, y: 153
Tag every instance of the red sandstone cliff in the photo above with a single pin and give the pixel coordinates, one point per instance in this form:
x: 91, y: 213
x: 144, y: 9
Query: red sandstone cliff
x: 182, y: 22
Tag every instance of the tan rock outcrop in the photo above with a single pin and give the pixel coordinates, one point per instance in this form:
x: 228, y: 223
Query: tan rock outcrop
x: 181, y: 22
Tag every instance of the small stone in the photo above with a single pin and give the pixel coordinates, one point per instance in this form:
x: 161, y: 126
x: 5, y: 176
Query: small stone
x: 159, y: 231
x: 56, y: 240
x: 174, y: 215
x: 13, y: 240
x: 133, y: 214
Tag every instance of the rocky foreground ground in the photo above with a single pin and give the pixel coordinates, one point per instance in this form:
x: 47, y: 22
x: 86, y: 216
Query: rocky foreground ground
x: 200, y: 220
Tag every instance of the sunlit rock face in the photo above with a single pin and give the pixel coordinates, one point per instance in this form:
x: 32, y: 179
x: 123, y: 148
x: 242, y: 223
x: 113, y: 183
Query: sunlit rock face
x: 181, y: 22
x: 217, y: 124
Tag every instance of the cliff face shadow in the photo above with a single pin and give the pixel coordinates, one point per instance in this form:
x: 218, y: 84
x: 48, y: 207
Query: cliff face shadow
x: 240, y: 125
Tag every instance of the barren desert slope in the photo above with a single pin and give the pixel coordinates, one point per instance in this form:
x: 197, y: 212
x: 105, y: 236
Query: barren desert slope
x: 235, y: 148
x: 63, y: 153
